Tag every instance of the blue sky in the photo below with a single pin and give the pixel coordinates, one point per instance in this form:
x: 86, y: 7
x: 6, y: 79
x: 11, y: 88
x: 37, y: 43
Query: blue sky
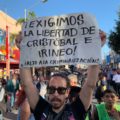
x: 104, y: 10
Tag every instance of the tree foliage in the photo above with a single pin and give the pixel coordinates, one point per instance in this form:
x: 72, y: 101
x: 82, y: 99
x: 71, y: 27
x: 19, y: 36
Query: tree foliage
x: 44, y: 1
x: 30, y: 15
x: 114, y: 37
x: 12, y: 38
x: 20, y: 21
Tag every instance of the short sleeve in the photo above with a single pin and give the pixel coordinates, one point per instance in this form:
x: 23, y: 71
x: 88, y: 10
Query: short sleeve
x: 40, y: 107
x: 79, y: 109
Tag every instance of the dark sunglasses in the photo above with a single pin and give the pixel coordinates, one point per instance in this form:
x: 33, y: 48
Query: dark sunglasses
x: 60, y: 90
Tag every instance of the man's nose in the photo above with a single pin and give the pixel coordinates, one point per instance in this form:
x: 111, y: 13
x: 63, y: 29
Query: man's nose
x: 110, y: 98
x: 56, y: 93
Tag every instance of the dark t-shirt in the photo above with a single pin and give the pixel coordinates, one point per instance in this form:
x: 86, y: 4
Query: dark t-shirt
x: 76, y: 108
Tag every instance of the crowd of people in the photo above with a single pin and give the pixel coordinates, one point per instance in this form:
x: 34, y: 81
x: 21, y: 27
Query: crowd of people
x: 12, y: 95
x: 62, y: 100
x: 63, y: 96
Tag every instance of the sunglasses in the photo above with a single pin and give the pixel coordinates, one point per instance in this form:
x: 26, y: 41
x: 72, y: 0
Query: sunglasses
x: 60, y: 90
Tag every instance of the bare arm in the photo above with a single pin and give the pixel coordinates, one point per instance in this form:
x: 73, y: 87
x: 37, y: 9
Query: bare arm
x: 25, y: 111
x: 26, y: 77
x: 89, y: 85
x: 92, y: 77
x: 29, y: 87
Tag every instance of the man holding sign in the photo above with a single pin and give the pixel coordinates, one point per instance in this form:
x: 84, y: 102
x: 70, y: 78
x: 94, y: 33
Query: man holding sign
x: 58, y: 86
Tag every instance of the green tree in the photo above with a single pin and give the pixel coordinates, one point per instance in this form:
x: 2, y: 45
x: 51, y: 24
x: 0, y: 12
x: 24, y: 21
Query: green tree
x: 12, y: 39
x: 30, y: 15
x: 114, y: 37
x: 44, y: 1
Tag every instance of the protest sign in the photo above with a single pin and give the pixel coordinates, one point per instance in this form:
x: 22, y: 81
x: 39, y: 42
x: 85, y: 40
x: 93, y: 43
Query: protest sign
x: 59, y: 40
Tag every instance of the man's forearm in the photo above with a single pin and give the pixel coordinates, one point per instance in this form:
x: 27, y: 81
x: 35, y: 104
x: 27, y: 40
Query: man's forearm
x: 29, y: 87
x: 89, y: 85
x: 92, y: 76
x: 26, y: 77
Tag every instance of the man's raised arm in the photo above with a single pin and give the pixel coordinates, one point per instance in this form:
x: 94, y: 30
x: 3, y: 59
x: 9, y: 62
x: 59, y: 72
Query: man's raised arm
x: 26, y: 78
x: 29, y: 87
x: 87, y: 90
x: 89, y: 85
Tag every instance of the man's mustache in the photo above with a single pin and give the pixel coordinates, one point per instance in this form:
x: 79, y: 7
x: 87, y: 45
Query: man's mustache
x: 55, y: 99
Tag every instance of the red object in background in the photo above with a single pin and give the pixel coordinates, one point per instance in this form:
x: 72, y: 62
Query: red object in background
x: 7, y: 44
x: 13, y: 62
x: 7, y: 53
x: 16, y: 52
x: 13, y: 65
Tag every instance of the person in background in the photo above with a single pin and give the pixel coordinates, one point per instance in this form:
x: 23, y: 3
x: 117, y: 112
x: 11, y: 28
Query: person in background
x: 4, y: 81
x: 116, y: 78
x: 74, y: 88
x: 109, y: 76
x: 12, y: 87
x: 41, y: 86
x: 24, y: 112
x: 2, y: 92
x: 101, y: 87
x: 114, y: 72
x: 108, y: 109
x: 35, y: 80
x: 2, y: 103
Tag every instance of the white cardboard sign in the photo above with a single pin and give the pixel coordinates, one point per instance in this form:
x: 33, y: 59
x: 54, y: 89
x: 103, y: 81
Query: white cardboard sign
x: 60, y: 40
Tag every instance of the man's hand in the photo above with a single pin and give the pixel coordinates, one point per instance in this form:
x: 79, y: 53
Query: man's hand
x: 103, y: 37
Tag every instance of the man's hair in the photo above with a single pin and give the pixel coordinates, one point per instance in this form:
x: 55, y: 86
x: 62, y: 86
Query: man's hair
x: 62, y: 75
x: 109, y: 90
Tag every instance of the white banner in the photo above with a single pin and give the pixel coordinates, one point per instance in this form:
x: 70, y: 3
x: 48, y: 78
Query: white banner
x: 60, y: 40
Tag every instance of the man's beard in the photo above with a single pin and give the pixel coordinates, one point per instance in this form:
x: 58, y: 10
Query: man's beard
x: 58, y: 104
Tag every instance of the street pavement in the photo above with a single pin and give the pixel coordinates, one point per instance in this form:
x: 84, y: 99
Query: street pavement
x: 10, y: 115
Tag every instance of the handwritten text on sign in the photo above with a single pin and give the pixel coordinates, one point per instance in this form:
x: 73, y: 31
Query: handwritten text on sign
x: 60, y: 40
